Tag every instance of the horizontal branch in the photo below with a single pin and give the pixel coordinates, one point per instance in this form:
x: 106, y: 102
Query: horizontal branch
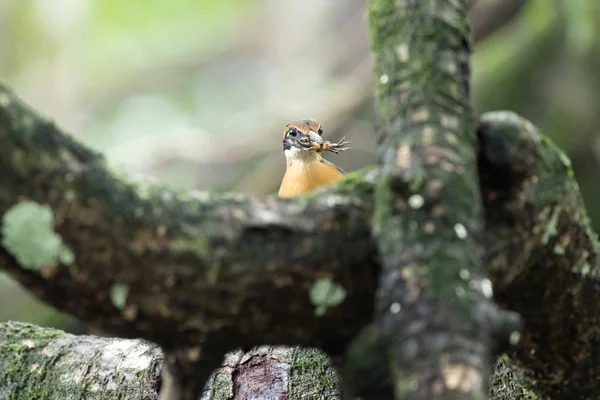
x: 46, y: 363
x: 169, y: 264
x: 179, y: 267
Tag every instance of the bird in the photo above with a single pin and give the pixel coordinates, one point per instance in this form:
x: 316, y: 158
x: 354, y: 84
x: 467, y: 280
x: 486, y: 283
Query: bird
x: 306, y: 169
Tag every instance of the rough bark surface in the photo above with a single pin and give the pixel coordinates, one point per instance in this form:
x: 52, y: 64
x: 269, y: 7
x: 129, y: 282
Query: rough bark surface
x: 542, y: 256
x: 433, y: 307
x: 41, y: 363
x: 198, y: 273
x: 523, y: 176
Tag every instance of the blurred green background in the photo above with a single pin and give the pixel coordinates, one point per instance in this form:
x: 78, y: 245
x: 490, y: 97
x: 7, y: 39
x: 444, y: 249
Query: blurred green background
x: 197, y: 92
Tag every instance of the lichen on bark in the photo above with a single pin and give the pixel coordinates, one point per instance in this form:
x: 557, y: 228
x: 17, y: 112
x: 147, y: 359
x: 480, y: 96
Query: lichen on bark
x: 428, y: 212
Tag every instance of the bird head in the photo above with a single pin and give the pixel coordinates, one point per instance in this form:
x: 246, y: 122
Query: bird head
x: 299, y: 136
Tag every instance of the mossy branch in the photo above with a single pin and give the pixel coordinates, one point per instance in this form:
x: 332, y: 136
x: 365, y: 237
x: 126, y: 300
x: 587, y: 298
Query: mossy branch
x: 543, y: 263
x: 44, y: 363
x: 542, y: 256
x: 433, y: 305
x: 195, y: 272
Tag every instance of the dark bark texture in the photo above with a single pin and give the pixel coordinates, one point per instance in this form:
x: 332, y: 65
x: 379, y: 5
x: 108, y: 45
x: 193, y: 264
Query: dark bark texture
x: 390, y: 272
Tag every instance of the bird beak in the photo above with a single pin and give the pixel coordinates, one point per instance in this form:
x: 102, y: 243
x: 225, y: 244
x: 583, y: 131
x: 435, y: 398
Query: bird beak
x: 315, y: 137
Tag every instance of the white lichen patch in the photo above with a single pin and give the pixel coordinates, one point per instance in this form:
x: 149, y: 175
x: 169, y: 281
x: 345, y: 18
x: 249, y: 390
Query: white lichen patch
x: 486, y: 288
x: 137, y: 359
x: 395, y: 308
x: 402, y: 51
x: 460, y: 230
x: 324, y: 294
x: 416, y: 201
x: 514, y: 338
x: 464, y: 274
x: 383, y: 79
x: 28, y: 235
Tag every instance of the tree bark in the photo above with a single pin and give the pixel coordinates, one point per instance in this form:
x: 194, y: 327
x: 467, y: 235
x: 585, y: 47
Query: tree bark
x: 523, y: 178
x: 433, y: 311
x: 201, y: 274
x: 44, y: 363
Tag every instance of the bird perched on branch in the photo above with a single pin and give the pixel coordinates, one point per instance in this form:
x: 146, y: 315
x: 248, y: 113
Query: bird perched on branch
x: 306, y: 169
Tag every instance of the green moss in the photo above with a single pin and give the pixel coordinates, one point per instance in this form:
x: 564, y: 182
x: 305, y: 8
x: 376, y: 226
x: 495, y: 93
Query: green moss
x: 383, y: 199
x: 360, y: 181
x: 510, y: 382
x: 551, y: 226
x: 23, y: 368
x: 312, y: 376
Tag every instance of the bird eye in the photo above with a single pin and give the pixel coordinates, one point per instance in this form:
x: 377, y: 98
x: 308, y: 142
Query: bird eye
x: 293, y: 132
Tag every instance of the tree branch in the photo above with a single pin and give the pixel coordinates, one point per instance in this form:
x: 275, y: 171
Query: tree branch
x: 542, y: 256
x: 198, y: 273
x: 523, y: 179
x: 50, y: 364
x: 433, y: 307
x: 44, y: 363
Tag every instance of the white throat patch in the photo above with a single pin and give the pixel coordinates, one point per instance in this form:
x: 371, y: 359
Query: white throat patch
x: 296, y: 154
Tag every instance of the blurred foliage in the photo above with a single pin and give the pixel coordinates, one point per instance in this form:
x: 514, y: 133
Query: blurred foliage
x: 198, y: 92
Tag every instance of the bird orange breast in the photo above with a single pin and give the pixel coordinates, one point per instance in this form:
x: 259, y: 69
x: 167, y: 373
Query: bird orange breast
x: 301, y: 178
